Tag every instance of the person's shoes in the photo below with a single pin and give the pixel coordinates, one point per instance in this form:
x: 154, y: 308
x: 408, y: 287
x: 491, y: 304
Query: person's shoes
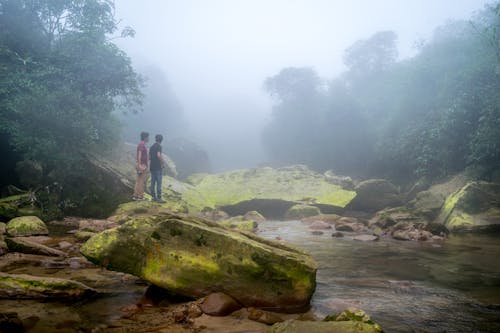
x: 136, y: 198
x: 160, y: 201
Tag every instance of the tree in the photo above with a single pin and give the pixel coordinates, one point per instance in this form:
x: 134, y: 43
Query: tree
x: 60, y: 79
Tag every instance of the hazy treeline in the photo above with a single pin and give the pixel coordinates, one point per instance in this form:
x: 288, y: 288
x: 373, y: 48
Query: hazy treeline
x: 428, y: 116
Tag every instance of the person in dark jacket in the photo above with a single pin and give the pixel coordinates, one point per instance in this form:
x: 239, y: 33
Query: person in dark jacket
x: 156, y: 166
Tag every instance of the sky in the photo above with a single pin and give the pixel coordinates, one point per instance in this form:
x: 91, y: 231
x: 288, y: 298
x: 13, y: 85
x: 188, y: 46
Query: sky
x: 217, y: 53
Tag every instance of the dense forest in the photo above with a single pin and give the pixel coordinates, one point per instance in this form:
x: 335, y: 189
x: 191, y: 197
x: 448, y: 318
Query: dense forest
x: 429, y: 116
x: 61, y: 79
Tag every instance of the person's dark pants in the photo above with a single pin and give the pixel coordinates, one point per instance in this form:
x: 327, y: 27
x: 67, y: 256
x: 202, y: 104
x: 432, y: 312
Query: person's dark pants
x: 156, y: 180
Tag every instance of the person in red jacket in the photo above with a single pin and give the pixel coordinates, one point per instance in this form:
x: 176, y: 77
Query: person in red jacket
x: 141, y: 167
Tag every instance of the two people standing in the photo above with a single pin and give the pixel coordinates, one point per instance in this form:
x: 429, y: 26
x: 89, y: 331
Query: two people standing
x: 156, y: 165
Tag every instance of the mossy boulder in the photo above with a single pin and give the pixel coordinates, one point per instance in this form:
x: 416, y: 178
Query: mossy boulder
x: 21, y: 286
x: 194, y: 257
x: 296, y: 184
x: 428, y: 203
x: 7, y: 211
x: 239, y: 223
x: 254, y: 216
x: 26, y: 226
x: 474, y: 207
x: 375, y: 194
x: 298, y: 212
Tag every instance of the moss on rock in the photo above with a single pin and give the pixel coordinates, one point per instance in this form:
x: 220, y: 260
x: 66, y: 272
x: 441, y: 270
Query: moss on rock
x: 195, y: 257
x: 474, y: 207
x: 7, y: 211
x: 31, y: 287
x: 26, y: 226
x: 298, y: 212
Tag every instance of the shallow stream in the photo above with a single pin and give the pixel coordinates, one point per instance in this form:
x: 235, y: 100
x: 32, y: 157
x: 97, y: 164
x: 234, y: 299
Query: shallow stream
x: 451, y: 286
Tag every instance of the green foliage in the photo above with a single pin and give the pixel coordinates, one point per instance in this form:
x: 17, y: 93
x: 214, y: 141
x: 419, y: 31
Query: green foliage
x: 61, y: 78
x: 428, y: 116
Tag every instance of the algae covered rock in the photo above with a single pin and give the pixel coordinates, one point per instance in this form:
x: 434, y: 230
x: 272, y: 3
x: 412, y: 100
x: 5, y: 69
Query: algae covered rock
x: 298, y: 212
x: 298, y: 326
x: 24, y: 286
x: 7, y: 211
x: 195, y: 257
x: 375, y: 194
x: 26, y: 226
x: 239, y: 223
x: 296, y: 184
x: 476, y: 206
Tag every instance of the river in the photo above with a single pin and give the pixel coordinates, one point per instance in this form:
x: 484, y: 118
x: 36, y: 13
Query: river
x: 450, y: 286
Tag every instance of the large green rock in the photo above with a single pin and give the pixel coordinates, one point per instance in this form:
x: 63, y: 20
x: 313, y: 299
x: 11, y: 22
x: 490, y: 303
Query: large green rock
x: 26, y: 226
x: 7, y: 211
x: 474, y: 207
x: 195, y: 257
x: 296, y: 184
x: 24, y: 286
x: 375, y: 194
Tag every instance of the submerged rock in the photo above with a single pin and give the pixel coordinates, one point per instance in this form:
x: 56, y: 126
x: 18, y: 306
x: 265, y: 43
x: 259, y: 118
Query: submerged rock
x: 195, y: 257
x: 26, y: 226
x: 32, y: 287
x: 476, y: 206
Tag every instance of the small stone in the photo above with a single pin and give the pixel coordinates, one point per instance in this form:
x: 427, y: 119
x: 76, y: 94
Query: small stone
x: 320, y: 225
x: 194, y: 310
x: 64, y: 245
x: 219, y: 304
x: 317, y: 232
x: 337, y: 234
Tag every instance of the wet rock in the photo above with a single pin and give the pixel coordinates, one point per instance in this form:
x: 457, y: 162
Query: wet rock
x: 254, y: 216
x: 476, y: 206
x: 10, y: 323
x: 265, y: 317
x: 298, y: 212
x: 337, y: 234
x: 83, y: 236
x: 343, y: 181
x: 317, y: 232
x: 366, y: 238
x: 7, y: 211
x: 239, y: 223
x: 194, y: 310
x: 298, y: 326
x: 375, y: 194
x: 3, y: 246
x: 64, y: 245
x: 389, y: 217
x: 320, y: 225
x: 194, y: 257
x: 22, y: 286
x: 349, y: 224
x: 25, y: 245
x: 219, y: 304
x: 3, y: 228
x: 26, y: 226
x: 356, y: 316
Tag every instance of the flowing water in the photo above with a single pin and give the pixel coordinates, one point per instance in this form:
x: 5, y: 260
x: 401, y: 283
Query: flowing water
x: 451, y: 286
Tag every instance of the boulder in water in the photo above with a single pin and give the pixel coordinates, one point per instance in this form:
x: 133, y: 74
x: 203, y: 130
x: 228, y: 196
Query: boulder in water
x: 194, y: 257
x: 375, y: 194
x: 474, y: 207
x: 298, y: 212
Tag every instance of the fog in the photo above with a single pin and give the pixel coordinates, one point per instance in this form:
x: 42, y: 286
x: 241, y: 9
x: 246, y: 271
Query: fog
x: 216, y: 54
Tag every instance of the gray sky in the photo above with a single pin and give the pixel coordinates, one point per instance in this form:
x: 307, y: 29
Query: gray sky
x: 217, y: 53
